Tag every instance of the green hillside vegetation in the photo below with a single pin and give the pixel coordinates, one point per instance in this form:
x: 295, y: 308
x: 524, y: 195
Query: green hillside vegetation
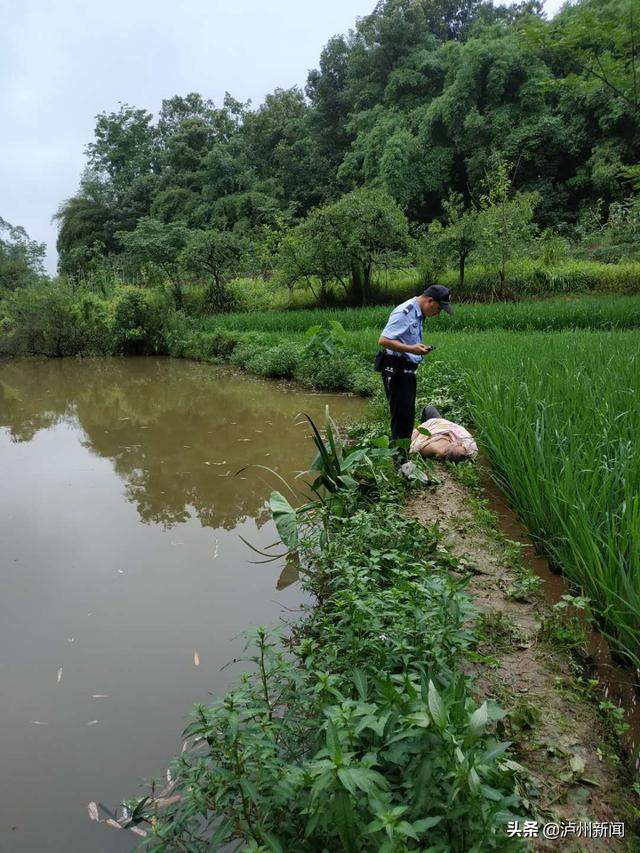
x: 454, y: 139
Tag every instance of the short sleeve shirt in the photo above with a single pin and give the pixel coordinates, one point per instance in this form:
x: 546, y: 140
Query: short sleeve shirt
x: 405, y: 325
x: 442, y: 428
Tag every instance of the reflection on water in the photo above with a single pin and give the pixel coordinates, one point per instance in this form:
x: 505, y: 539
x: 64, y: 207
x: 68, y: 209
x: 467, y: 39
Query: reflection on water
x: 124, y: 577
x: 175, y: 432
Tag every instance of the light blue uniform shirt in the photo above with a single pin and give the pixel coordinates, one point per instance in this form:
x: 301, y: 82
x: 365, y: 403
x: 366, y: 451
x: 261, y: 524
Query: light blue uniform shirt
x: 405, y: 325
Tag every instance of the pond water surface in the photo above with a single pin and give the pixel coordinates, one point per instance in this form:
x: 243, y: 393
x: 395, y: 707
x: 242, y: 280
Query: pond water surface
x: 124, y: 578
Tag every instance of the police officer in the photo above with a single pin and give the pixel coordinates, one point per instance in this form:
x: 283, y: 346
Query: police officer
x: 402, y: 340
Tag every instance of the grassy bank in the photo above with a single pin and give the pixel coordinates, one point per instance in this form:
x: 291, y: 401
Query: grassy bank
x: 361, y: 729
x: 358, y: 731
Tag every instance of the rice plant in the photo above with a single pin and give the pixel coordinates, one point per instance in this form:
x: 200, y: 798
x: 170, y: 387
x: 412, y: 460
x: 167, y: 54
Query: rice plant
x: 559, y: 418
x: 582, y: 312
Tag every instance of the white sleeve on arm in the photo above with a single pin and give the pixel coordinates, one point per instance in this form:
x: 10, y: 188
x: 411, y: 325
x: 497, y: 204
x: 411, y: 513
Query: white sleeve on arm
x: 397, y: 325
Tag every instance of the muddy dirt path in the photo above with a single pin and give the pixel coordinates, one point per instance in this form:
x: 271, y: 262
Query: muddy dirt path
x: 559, y: 734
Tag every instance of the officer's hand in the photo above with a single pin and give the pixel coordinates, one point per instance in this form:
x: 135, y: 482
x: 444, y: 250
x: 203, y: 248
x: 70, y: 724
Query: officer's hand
x: 420, y: 349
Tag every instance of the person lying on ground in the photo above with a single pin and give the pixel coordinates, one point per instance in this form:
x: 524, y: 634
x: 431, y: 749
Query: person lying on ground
x: 446, y: 440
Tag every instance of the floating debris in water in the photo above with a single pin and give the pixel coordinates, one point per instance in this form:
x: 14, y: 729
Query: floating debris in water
x: 94, y: 814
x: 176, y: 543
x: 196, y: 658
x: 207, y: 463
x: 59, y: 674
x: 168, y: 774
x: 38, y: 722
x: 216, y: 549
x: 100, y: 696
x: 120, y: 571
x: 92, y: 723
x: 224, y: 462
x: 71, y: 639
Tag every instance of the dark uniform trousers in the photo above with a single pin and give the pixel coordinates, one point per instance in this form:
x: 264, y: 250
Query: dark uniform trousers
x: 400, y: 387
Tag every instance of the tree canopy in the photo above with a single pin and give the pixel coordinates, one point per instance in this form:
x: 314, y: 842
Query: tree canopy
x: 21, y: 259
x: 416, y: 101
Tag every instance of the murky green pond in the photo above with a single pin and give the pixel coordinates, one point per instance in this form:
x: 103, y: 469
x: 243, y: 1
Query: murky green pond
x: 124, y: 578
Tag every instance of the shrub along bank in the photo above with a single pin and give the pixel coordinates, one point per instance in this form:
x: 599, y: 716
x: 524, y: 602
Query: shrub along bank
x: 358, y: 731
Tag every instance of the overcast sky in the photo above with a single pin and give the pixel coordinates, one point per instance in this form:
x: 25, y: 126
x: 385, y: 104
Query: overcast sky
x: 64, y: 61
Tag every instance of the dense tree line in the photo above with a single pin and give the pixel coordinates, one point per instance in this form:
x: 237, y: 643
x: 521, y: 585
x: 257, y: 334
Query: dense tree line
x: 21, y: 258
x: 421, y: 103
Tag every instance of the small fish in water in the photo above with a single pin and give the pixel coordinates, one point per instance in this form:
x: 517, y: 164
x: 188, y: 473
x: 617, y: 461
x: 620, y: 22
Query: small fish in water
x: 196, y: 658
x: 59, y: 674
x: 38, y: 723
x: 224, y: 462
x: 92, y: 723
x: 100, y: 696
x: 207, y: 463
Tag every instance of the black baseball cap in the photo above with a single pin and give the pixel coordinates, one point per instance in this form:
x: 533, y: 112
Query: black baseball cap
x: 441, y: 294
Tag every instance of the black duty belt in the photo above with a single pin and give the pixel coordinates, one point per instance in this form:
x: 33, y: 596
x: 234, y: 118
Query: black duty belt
x: 396, y: 362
